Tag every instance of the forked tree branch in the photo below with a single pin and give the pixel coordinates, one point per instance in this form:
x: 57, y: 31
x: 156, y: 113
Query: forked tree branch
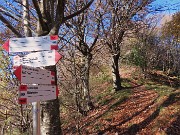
x: 59, y: 20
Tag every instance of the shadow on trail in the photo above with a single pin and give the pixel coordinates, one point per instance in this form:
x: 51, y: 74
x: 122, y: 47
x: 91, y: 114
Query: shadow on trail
x: 165, y: 80
x: 174, y: 129
x: 138, y: 127
x: 133, y: 87
x: 129, y: 82
x: 135, y: 128
x: 114, y: 127
x: 118, y: 102
x: 107, y: 110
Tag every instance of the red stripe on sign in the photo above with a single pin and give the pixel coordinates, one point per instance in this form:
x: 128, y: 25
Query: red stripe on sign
x: 54, y: 47
x: 54, y: 37
x: 52, y: 73
x: 6, y: 46
x: 57, y: 91
x: 57, y: 56
x: 22, y: 100
x: 53, y: 82
x: 23, y: 88
x: 15, y: 67
x: 18, y: 72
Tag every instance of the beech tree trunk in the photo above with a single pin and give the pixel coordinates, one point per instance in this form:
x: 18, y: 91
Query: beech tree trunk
x: 115, y: 72
x: 50, y: 118
x: 85, y: 80
x: 50, y: 113
x: 26, y: 126
x: 50, y: 110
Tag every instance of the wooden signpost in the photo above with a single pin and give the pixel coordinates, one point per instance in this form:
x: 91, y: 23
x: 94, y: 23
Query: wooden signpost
x: 37, y: 59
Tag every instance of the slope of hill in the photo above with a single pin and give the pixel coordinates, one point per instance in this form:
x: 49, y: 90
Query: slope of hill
x: 144, y: 107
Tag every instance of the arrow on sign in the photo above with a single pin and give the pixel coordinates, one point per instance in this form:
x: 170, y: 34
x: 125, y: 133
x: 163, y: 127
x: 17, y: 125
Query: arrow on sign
x: 30, y: 75
x: 38, y: 59
x: 34, y: 93
x: 31, y: 44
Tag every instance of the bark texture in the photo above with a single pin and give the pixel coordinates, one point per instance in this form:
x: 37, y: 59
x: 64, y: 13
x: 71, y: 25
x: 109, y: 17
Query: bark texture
x: 85, y: 81
x: 50, y: 118
x: 115, y: 73
x: 50, y: 113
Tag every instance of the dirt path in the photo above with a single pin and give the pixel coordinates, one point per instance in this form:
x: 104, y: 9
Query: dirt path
x: 113, y: 118
x: 133, y: 111
x: 145, y: 112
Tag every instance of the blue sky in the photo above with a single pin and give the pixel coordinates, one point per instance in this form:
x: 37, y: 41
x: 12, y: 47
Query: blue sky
x: 171, y: 6
x: 167, y: 1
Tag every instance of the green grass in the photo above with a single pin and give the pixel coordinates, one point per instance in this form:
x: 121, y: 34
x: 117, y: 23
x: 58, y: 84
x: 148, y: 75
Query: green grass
x: 108, y: 90
x: 118, y: 98
x: 102, y: 78
x: 15, y: 131
x: 162, y: 90
x: 126, y: 82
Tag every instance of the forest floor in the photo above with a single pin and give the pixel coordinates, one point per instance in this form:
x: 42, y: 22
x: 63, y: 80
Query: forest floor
x: 144, y: 107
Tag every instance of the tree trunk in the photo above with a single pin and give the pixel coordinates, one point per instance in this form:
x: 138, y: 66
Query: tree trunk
x: 50, y: 113
x: 88, y: 105
x: 50, y: 118
x: 26, y: 25
x: 115, y: 72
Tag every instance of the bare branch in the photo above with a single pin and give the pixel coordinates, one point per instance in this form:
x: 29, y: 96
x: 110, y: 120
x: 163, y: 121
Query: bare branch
x: 40, y: 16
x: 9, y: 15
x: 7, y: 23
x: 60, y: 10
x: 78, y: 12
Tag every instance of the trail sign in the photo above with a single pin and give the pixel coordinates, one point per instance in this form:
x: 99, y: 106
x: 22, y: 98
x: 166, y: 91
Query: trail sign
x: 37, y: 59
x: 30, y: 75
x: 34, y: 93
x: 31, y: 44
x: 43, y: 54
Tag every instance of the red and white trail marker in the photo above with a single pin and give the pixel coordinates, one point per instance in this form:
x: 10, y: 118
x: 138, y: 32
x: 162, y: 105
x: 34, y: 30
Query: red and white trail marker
x: 28, y: 44
x: 30, y: 75
x: 38, y: 59
x: 35, y: 93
